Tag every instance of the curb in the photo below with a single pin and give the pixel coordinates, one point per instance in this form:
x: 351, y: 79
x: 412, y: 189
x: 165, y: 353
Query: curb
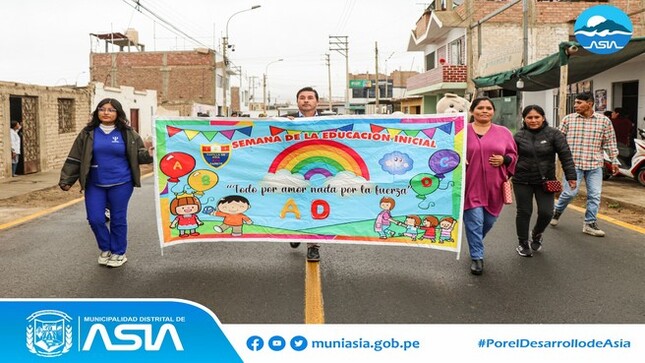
x: 619, y: 202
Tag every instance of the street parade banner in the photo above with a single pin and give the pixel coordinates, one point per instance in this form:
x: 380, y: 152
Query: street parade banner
x: 376, y: 179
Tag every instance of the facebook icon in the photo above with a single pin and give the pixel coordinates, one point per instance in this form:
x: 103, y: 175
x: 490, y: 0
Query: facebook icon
x: 254, y: 343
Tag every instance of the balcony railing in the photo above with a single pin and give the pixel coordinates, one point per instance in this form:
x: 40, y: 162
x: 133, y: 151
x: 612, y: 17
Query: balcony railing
x: 441, y: 74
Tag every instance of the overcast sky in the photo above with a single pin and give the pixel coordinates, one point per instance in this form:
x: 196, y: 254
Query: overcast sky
x: 47, y: 42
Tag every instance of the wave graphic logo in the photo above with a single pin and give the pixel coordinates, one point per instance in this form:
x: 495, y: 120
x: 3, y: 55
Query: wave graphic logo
x: 603, y: 29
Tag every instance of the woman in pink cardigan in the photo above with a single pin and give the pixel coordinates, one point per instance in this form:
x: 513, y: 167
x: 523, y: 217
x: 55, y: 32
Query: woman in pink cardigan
x: 491, y: 155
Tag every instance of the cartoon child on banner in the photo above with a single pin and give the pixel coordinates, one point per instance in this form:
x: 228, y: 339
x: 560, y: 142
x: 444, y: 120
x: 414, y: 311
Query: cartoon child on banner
x: 232, y: 209
x: 411, y: 225
x: 429, y: 228
x: 446, y: 226
x: 185, y: 207
x: 384, y: 218
x: 441, y: 163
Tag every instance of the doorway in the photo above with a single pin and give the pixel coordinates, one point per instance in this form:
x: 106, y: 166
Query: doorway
x: 625, y: 95
x: 134, y: 119
x: 25, y: 110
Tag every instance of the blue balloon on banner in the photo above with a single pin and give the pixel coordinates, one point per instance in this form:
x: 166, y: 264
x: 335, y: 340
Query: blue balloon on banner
x: 443, y: 162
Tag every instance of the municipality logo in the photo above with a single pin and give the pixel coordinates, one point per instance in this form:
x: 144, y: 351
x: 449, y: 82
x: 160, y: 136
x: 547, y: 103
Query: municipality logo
x: 49, y: 333
x: 603, y: 29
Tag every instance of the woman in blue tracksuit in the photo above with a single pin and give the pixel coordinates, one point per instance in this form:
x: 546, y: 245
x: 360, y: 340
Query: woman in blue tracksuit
x: 105, y: 159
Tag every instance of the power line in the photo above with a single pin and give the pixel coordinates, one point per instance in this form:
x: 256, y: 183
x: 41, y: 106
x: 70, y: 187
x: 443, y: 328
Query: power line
x: 138, y: 6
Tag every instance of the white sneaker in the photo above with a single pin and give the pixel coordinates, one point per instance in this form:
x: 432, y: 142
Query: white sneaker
x: 104, y: 257
x: 116, y: 261
x: 217, y: 229
x: 592, y: 229
x: 556, y: 218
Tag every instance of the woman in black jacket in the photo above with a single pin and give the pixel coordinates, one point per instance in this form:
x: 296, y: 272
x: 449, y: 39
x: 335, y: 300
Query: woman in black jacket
x: 537, y: 144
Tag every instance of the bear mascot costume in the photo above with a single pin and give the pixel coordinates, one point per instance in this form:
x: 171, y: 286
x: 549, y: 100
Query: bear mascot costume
x: 452, y: 103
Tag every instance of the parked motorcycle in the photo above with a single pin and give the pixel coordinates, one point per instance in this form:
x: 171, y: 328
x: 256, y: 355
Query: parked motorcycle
x: 632, y: 162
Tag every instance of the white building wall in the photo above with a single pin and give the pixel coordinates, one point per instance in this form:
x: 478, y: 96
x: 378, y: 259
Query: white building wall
x: 625, y: 72
x: 144, y: 101
x: 632, y: 70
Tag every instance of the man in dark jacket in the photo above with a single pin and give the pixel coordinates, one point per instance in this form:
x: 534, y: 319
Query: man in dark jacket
x: 307, y: 99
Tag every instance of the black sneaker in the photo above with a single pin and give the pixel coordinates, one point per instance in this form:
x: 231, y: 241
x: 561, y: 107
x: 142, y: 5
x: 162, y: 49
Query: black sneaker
x: 556, y: 218
x: 477, y: 267
x: 294, y: 244
x: 313, y: 254
x: 523, y: 249
x: 536, y: 242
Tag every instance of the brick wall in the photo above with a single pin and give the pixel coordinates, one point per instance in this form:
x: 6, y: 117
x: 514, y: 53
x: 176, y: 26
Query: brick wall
x: 552, y: 12
x: 180, y: 78
x: 454, y: 74
x: 53, y: 147
x: 400, y: 78
x: 441, y: 74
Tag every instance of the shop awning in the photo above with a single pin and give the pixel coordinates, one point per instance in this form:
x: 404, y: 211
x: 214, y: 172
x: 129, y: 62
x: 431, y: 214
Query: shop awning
x: 545, y: 73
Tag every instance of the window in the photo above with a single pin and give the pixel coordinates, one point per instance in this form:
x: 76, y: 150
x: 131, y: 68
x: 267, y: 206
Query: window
x: 455, y: 52
x: 65, y: 115
x: 430, y: 61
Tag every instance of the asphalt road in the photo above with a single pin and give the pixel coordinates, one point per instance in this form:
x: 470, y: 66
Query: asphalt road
x: 575, y: 278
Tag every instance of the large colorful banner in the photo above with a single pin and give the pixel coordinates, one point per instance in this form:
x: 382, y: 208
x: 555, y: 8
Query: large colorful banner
x: 339, y: 179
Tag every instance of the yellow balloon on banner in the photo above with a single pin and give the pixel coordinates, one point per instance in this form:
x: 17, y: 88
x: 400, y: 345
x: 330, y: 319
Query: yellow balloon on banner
x: 201, y: 180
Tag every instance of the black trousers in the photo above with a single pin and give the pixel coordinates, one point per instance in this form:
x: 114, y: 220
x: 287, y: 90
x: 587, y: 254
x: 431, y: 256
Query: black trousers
x: 524, y: 201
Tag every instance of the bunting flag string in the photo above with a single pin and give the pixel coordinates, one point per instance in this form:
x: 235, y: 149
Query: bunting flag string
x: 274, y: 130
x: 277, y: 130
x: 209, y: 135
x: 428, y: 131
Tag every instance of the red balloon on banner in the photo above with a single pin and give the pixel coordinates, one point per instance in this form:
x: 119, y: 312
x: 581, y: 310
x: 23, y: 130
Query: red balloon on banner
x: 176, y: 164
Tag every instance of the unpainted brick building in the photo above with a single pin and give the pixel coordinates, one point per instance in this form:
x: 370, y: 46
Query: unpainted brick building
x: 51, y: 118
x: 181, y: 78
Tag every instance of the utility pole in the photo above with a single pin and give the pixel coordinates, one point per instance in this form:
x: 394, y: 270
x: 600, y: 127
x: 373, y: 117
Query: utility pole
x: 252, y: 84
x: 264, y: 93
x: 225, y: 46
x: 525, y: 57
x: 328, y: 78
x: 387, y: 78
x: 340, y: 44
x: 377, y: 93
x: 225, y: 78
x: 264, y: 84
x: 469, y: 31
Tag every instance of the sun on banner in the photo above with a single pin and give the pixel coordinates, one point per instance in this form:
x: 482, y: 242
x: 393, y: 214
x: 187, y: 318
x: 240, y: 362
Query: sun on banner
x: 365, y: 179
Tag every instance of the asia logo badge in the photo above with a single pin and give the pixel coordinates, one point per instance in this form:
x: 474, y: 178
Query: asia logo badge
x: 49, y: 333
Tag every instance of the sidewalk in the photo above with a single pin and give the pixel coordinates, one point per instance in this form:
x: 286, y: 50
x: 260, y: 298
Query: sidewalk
x: 24, y: 184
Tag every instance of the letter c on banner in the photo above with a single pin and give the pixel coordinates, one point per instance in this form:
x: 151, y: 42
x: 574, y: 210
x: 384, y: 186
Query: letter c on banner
x: 315, y: 209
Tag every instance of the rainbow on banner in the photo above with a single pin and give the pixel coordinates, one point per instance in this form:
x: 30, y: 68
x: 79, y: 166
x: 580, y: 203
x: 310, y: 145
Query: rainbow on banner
x: 320, y: 157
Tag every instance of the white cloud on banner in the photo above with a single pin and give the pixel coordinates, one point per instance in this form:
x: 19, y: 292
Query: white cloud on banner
x: 284, y: 178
